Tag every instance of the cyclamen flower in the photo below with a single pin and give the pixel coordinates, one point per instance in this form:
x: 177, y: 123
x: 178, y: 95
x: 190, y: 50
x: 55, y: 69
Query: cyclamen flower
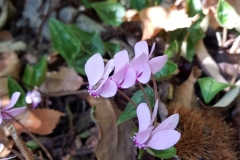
x: 162, y: 137
x: 98, y: 77
x: 33, y: 97
x: 9, y: 108
x: 140, y: 68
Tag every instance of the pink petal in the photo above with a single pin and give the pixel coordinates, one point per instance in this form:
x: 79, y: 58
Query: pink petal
x: 157, y: 63
x: 153, y: 47
x: 13, y: 112
x: 119, y: 75
x: 145, y: 75
x: 130, y: 78
x: 1, y: 119
x: 140, y: 48
x: 94, y: 69
x: 169, y: 123
x: 13, y: 100
x: 120, y: 59
x: 109, y: 89
x: 141, y: 137
x: 108, y: 68
x: 154, y: 111
x: 144, y: 116
x: 164, y: 139
x: 138, y: 63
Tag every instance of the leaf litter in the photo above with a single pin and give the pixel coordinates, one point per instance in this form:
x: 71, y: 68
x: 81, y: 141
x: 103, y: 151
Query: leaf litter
x: 200, y: 42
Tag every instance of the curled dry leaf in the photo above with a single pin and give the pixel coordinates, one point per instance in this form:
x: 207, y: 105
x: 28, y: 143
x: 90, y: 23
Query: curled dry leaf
x: 115, y: 141
x: 39, y: 121
x: 208, y: 65
x: 64, y: 80
x: 157, y: 18
x: 9, y: 66
x: 185, y: 92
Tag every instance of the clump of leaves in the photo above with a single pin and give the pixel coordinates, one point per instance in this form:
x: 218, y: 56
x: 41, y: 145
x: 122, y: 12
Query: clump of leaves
x: 203, y: 136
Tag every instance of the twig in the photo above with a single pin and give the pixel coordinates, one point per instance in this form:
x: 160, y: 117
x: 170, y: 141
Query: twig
x: 33, y: 137
x: 125, y: 96
x: 224, y: 39
x: 235, y: 45
x: 145, y: 95
x: 20, y: 144
x: 219, y: 39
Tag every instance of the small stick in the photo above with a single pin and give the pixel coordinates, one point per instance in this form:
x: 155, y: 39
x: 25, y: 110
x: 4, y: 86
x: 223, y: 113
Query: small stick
x: 20, y: 144
x: 33, y: 137
x: 224, y: 39
x: 235, y: 45
x: 125, y: 96
x: 219, y: 39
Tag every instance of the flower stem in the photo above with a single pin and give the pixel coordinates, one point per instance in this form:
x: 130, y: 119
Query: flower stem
x: 125, y: 96
x: 145, y: 95
x: 154, y: 87
x: 33, y: 137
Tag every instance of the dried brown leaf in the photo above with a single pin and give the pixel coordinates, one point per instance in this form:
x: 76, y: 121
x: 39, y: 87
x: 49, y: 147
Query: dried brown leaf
x: 157, y: 18
x: 39, y: 121
x: 208, y: 65
x: 9, y: 66
x: 114, y: 140
x: 64, y: 80
x: 185, y: 92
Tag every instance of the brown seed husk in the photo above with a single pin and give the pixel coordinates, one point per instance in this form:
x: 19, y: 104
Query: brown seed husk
x: 202, y: 136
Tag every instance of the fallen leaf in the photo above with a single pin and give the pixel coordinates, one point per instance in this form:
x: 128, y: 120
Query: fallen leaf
x: 228, y: 97
x: 9, y: 66
x: 185, y: 92
x: 39, y: 121
x: 115, y: 141
x: 208, y: 65
x: 5, y: 35
x: 64, y: 80
x: 157, y: 18
x: 163, y: 111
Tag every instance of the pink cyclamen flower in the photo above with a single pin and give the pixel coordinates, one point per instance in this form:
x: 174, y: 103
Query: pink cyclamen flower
x: 98, y: 77
x: 33, y: 97
x: 156, y: 63
x: 140, y: 68
x: 8, y: 109
x: 159, y: 138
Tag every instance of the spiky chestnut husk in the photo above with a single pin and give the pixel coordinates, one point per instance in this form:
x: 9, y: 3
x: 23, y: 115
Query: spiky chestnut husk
x: 204, y: 137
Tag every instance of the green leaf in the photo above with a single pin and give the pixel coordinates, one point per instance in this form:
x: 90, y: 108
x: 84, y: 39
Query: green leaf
x: 32, y: 145
x: 138, y: 97
x: 226, y: 15
x: 91, y: 42
x: 165, y: 154
x: 194, y: 35
x: 172, y: 50
x: 138, y: 4
x: 85, y: 134
x: 190, y: 51
x: 112, y: 48
x: 35, y: 75
x: 194, y: 7
x: 86, y: 3
x: 178, y: 36
x: 63, y: 40
x: 210, y: 87
x: 166, y: 72
x: 79, y: 63
x: 110, y: 13
x: 13, y: 86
